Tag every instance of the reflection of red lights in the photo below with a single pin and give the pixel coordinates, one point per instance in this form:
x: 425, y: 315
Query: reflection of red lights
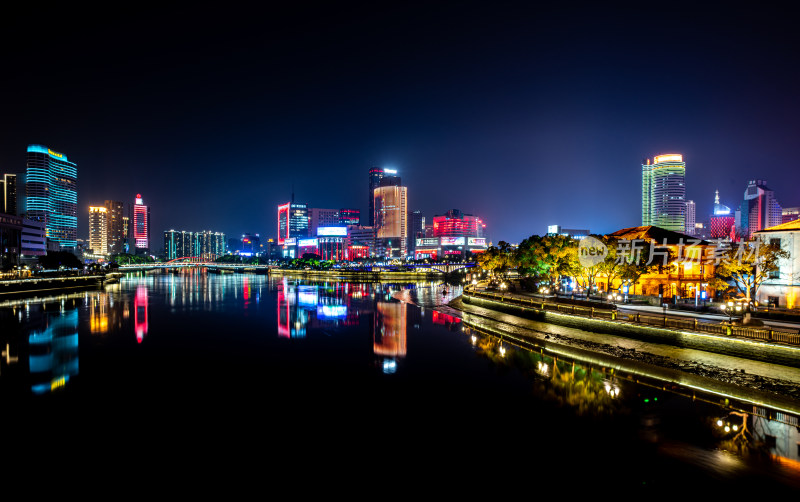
x: 444, y: 319
x: 284, y: 316
x: 140, y: 312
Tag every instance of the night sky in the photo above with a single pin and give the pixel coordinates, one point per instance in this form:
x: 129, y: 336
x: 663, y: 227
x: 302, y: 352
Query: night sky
x: 526, y: 116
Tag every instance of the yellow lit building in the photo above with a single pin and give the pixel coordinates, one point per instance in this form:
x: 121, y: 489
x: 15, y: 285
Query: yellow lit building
x: 98, y: 230
x: 689, y: 264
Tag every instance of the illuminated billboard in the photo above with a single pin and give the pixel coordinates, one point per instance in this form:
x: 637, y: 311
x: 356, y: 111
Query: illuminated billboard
x: 430, y: 241
x: 307, y: 242
x: 332, y: 231
x: 476, y: 241
x: 291, y: 241
x: 453, y: 241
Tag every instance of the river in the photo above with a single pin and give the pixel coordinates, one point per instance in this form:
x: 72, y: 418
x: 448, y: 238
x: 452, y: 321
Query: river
x: 250, y: 378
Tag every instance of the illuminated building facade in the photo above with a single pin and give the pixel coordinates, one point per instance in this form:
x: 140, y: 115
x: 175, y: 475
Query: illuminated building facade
x: 664, y: 192
x: 98, y: 230
x: 759, y: 209
x: 391, y: 221
x: 790, y: 214
x: 416, y: 230
x: 782, y: 287
x: 360, y: 242
x: 376, y: 179
x: 115, y: 210
x: 126, y: 229
x: 8, y: 194
x: 722, y: 222
x: 10, y: 236
x: 141, y: 226
x: 205, y: 245
x: 454, y: 223
x: 292, y: 221
x: 250, y: 245
x: 321, y: 217
x: 349, y: 216
x: 52, y: 194
x: 689, y: 225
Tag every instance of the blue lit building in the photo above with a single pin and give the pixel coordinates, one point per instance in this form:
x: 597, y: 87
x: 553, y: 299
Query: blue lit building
x: 52, y: 194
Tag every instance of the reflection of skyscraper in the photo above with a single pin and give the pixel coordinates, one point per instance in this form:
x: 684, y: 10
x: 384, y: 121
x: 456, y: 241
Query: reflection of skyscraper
x: 53, y: 356
x: 389, y: 338
x: 52, y: 194
x: 140, y: 312
x: 664, y: 192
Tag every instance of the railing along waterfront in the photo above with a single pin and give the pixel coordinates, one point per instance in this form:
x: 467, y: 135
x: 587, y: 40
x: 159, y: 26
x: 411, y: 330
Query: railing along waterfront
x: 768, y: 334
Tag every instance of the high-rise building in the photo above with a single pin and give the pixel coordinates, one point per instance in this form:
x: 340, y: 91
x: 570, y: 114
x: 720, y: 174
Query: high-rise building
x: 141, y: 226
x: 250, y: 244
x: 126, y: 231
x: 320, y: 217
x: 416, y: 230
x: 52, y: 194
x: 376, y: 175
x: 98, y: 230
x: 689, y: 224
x: 349, y: 216
x: 116, y: 231
x: 8, y: 194
x: 759, y: 209
x: 664, y: 192
x: 292, y: 221
x: 391, y: 221
x: 172, y: 240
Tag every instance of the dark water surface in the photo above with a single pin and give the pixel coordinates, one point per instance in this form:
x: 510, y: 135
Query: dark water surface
x: 242, y: 381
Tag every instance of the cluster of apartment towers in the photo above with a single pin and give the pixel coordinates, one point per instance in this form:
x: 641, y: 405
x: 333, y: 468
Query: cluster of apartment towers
x: 664, y: 204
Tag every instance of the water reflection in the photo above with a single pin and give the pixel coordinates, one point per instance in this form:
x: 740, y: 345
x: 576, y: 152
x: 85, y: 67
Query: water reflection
x: 140, y: 312
x: 389, y: 333
x: 53, y: 352
x: 732, y: 424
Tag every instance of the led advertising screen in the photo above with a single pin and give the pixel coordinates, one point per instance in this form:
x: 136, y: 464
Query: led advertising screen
x: 453, y: 241
x: 476, y: 241
x: 430, y: 241
x: 332, y: 231
x: 290, y: 241
x: 307, y: 242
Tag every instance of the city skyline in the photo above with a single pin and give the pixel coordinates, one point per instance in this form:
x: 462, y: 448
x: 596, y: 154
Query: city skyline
x: 523, y: 115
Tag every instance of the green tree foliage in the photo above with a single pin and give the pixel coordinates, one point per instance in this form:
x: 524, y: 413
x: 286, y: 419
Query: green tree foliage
x: 131, y: 259
x: 498, y: 260
x: 746, y: 265
x: 551, y: 256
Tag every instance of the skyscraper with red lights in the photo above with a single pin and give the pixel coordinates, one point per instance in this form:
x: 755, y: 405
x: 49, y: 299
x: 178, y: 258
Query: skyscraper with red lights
x: 141, y: 226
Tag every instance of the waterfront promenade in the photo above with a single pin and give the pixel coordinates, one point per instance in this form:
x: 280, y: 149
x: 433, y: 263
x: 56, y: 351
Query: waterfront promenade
x: 672, y: 359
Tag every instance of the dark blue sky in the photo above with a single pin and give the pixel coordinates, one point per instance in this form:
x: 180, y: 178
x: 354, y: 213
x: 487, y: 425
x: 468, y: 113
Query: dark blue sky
x: 524, y: 115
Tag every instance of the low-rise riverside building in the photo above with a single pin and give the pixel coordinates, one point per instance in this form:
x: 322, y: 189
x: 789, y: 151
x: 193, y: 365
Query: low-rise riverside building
x: 782, y: 287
